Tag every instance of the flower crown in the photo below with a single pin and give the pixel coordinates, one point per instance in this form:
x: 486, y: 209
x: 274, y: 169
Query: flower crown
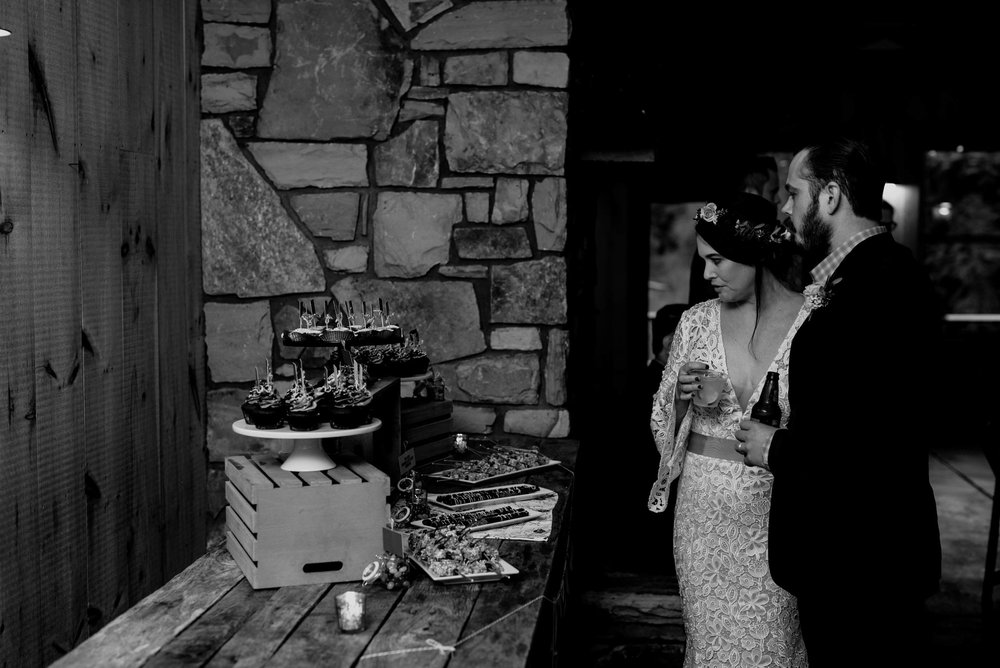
x: 742, y: 229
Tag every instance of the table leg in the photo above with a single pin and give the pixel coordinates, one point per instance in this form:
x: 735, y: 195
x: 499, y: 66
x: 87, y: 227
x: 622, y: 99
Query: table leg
x: 308, y: 455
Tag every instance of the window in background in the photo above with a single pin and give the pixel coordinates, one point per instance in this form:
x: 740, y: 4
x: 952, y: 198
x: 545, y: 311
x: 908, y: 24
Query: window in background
x: 960, y: 231
x: 905, y: 203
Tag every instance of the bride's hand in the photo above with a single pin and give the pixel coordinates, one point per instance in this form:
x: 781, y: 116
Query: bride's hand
x: 687, y: 380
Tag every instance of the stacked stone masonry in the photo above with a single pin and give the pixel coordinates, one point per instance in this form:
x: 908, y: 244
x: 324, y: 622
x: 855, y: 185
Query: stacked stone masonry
x: 415, y: 155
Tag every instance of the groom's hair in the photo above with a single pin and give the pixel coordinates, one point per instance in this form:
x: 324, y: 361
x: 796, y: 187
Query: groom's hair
x: 853, y: 165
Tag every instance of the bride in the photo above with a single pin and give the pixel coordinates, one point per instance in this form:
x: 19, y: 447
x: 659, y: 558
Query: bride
x: 734, y: 613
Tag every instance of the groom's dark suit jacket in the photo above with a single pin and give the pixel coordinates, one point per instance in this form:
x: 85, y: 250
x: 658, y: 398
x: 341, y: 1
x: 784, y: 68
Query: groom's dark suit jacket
x: 851, y: 503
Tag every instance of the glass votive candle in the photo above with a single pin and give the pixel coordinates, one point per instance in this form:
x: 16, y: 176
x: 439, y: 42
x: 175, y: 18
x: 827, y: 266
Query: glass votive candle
x: 351, y: 611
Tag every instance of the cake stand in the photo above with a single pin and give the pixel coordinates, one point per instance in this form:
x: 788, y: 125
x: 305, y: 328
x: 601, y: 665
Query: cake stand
x: 307, y: 453
x: 408, y: 384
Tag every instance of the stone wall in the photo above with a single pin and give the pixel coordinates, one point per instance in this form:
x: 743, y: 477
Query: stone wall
x: 415, y: 155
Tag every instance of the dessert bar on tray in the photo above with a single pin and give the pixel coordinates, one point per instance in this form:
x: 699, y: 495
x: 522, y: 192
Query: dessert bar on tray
x: 478, y: 520
x: 487, y: 496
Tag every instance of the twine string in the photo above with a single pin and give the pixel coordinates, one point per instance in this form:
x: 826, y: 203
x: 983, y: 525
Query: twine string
x: 434, y: 646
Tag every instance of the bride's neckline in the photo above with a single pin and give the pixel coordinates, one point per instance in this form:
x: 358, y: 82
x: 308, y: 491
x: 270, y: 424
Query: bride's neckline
x: 779, y: 352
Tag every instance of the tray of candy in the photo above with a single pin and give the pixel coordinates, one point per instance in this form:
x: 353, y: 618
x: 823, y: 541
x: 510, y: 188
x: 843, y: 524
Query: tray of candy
x: 487, y: 496
x: 478, y: 520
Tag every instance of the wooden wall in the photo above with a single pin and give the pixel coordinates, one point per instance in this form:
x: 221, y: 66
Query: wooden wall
x: 102, y: 474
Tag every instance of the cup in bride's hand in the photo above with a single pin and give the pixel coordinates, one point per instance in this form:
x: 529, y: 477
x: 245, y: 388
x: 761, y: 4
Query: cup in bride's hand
x: 713, y: 384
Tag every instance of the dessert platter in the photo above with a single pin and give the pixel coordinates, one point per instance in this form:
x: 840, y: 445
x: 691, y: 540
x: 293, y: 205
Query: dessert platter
x: 407, y: 360
x: 501, y: 462
x: 487, y: 496
x: 337, y: 405
x: 342, y: 326
x: 504, y: 572
x: 479, y: 519
x: 450, y: 555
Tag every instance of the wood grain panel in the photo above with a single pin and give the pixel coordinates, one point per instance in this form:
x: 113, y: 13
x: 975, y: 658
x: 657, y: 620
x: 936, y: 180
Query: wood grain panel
x: 109, y: 488
x: 103, y: 361
x: 265, y: 631
x: 56, y: 271
x: 426, y: 611
x: 183, y: 464
x: 199, y: 642
x: 138, y: 345
x: 138, y: 634
x: 20, y: 614
x: 318, y: 641
x: 137, y: 64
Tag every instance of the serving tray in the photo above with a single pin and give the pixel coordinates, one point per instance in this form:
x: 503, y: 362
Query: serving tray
x: 482, y: 497
x: 527, y: 517
x: 506, y: 570
x: 446, y: 474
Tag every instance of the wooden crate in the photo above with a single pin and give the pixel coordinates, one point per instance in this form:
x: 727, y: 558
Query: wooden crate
x: 285, y: 528
x: 413, y: 412
x: 427, y: 430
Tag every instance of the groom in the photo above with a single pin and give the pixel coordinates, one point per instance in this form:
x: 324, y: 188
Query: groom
x: 853, y: 522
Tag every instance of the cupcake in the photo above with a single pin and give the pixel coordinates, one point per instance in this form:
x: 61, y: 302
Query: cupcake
x: 389, y: 333
x: 334, y: 330
x: 270, y: 412
x: 347, y: 402
x: 386, y: 332
x: 263, y: 407
x: 373, y: 359
x: 415, y: 362
x: 410, y: 358
x: 350, y: 408
x: 302, y: 406
x: 249, y: 405
x: 310, y: 330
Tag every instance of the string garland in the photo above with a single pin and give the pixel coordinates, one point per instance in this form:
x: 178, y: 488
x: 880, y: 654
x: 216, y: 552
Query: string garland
x: 435, y: 646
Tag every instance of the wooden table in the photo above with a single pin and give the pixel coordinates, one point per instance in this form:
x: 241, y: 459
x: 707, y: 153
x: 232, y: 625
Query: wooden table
x: 210, y: 615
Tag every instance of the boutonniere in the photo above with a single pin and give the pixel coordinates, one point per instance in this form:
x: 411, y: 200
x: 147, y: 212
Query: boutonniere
x: 817, y: 296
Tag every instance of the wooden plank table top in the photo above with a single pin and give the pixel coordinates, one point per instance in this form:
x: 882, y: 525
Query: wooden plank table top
x: 209, y: 615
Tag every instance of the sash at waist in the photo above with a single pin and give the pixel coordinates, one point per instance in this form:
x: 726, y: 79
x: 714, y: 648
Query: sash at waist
x: 709, y: 446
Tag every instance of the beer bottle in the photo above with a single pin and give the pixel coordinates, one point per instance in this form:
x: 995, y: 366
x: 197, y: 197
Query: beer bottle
x: 767, y: 410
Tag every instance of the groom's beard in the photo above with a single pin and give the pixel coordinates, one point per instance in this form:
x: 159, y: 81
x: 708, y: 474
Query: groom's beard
x: 816, y: 236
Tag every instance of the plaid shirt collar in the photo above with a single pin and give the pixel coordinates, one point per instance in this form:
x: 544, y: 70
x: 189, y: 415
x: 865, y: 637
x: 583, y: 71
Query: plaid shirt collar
x: 822, y: 272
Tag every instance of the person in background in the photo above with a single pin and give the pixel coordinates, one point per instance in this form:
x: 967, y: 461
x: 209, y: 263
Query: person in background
x: 854, y: 532
x: 734, y: 613
x: 664, y: 323
x: 758, y: 175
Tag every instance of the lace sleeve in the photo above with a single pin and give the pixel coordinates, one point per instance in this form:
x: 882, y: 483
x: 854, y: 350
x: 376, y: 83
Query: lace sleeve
x: 670, y: 440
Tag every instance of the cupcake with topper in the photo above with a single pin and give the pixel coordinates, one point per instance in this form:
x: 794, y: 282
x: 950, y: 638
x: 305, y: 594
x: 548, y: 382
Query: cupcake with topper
x: 338, y: 328
x: 348, y: 402
x: 410, y: 357
x: 403, y: 360
x: 263, y: 407
x: 303, y: 412
x: 385, y: 331
x: 310, y: 329
x: 315, y: 327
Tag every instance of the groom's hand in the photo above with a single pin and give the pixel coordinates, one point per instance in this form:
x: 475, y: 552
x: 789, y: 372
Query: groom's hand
x: 754, y: 440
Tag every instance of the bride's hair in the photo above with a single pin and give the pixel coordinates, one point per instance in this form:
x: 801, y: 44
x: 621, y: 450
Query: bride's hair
x: 746, y: 229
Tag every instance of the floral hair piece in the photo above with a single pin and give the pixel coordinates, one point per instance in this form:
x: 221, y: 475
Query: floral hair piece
x: 709, y: 213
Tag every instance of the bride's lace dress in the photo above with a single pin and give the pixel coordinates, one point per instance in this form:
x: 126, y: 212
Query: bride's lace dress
x: 734, y: 613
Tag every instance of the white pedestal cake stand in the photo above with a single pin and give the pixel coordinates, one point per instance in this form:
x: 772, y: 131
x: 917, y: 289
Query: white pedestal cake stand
x: 307, y: 454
